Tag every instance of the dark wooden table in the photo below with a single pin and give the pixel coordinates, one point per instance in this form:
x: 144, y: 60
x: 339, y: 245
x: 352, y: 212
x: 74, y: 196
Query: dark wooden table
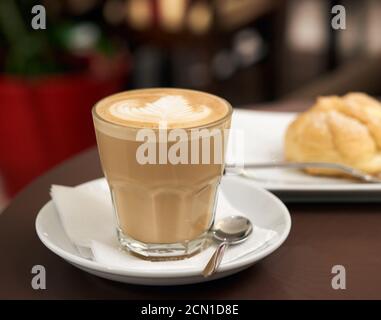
x: 322, y: 235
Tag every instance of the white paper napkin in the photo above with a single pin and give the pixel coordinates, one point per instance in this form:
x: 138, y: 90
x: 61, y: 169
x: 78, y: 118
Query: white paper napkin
x: 88, y: 220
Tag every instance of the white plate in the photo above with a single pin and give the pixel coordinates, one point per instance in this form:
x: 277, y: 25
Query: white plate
x: 263, y: 209
x: 264, y: 137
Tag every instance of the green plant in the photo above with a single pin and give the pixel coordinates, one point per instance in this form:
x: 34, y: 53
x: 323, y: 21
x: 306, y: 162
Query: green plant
x: 30, y: 52
x: 27, y: 51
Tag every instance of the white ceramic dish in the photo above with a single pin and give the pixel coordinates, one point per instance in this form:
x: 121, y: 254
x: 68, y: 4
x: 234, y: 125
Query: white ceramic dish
x: 264, y: 134
x: 263, y: 208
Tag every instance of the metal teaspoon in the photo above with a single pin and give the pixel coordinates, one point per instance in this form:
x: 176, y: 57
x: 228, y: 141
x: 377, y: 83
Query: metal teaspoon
x: 228, y: 231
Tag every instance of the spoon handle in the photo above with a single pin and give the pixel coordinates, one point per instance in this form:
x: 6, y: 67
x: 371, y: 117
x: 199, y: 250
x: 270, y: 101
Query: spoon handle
x: 215, y: 260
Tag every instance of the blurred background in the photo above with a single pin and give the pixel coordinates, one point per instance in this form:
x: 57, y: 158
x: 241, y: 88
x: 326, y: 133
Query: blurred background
x: 247, y: 51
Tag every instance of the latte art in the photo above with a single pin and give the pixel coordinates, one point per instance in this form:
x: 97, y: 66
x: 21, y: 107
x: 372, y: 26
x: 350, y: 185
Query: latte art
x: 168, y: 108
x: 156, y: 107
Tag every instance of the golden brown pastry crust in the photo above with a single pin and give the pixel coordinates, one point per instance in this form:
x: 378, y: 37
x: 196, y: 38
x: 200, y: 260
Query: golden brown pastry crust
x: 344, y: 130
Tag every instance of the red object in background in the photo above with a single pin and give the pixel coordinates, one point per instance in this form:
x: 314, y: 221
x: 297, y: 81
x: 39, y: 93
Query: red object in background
x: 46, y: 121
x: 22, y: 152
x: 64, y: 107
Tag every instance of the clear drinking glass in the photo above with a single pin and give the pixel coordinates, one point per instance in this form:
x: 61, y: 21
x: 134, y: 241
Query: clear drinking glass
x: 164, y: 211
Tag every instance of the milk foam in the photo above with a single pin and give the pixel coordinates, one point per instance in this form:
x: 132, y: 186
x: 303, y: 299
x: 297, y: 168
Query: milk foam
x: 162, y: 107
x: 169, y: 108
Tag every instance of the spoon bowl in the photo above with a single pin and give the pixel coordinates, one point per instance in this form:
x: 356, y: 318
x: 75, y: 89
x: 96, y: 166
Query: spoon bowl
x: 233, y: 229
x: 228, y: 231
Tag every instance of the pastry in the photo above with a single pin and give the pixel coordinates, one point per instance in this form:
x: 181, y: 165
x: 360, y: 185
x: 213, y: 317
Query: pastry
x: 345, y: 130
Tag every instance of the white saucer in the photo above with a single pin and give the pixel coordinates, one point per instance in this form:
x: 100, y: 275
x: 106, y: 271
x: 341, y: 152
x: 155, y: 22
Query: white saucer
x: 263, y: 209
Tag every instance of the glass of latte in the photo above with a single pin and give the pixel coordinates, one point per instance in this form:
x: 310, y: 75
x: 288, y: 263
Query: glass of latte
x: 162, y: 152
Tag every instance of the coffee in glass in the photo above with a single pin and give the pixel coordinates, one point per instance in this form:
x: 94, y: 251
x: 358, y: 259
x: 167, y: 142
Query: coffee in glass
x: 162, y: 152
